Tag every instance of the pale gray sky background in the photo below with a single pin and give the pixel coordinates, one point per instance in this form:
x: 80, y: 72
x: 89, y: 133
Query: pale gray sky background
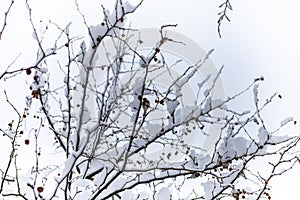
x: 261, y: 39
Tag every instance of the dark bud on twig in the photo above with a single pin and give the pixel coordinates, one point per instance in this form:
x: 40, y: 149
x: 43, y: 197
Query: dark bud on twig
x: 146, y: 104
x: 194, y: 175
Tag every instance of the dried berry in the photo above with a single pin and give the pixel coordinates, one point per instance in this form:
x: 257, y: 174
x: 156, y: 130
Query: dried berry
x: 35, y: 94
x: 27, y: 141
x: 28, y: 71
x: 36, y: 78
x: 40, y: 189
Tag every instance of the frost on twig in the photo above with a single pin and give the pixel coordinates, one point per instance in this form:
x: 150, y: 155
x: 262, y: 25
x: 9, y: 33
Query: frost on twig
x: 223, y: 15
x: 109, y: 119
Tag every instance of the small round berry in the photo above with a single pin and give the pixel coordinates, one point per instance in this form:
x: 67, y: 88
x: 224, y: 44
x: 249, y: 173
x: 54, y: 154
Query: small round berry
x: 40, y: 189
x: 27, y: 141
x: 28, y: 71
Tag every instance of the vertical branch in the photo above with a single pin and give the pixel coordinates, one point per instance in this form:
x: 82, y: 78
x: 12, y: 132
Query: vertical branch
x: 34, y: 30
x: 223, y: 14
x: 36, y: 169
x: 13, y: 143
x: 5, y: 18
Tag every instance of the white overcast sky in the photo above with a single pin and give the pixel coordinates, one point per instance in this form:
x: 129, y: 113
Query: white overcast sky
x: 261, y: 39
